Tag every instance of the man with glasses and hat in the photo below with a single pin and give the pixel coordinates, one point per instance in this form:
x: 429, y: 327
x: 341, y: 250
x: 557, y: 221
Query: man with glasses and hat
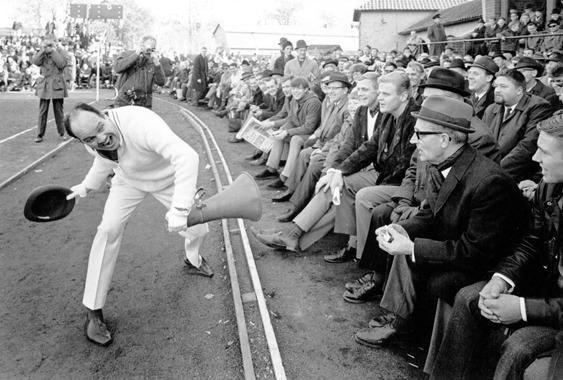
x: 531, y: 69
x: 471, y: 218
x: 480, y: 77
x: 407, y: 198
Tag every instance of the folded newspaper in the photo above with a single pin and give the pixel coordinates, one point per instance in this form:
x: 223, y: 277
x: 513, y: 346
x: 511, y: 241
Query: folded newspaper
x: 252, y: 132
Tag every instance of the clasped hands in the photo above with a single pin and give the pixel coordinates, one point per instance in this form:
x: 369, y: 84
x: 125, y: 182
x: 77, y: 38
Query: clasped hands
x: 497, y: 305
x: 394, y: 240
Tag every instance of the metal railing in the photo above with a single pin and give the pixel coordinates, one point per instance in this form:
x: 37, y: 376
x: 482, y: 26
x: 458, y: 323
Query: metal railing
x: 495, y: 39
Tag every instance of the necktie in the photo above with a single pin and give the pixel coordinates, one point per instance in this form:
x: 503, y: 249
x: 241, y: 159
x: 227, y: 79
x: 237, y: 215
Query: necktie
x: 372, y: 112
x: 507, y: 112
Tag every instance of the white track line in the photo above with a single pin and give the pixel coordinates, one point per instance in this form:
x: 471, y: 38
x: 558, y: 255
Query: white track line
x: 277, y: 362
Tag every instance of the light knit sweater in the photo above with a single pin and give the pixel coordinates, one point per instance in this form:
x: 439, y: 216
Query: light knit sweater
x: 150, y: 156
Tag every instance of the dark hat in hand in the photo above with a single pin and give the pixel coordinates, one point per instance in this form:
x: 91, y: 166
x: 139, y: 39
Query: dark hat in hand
x: 446, y: 79
x: 447, y: 112
x: 48, y: 203
x: 487, y: 64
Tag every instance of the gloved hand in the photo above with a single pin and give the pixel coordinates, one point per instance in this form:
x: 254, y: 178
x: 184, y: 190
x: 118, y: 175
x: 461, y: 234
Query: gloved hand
x: 77, y: 191
x: 177, y: 220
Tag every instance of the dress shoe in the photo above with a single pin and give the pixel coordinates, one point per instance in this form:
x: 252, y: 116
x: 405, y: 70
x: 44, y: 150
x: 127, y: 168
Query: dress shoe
x: 266, y: 174
x: 220, y: 114
x: 369, y: 276
x: 283, y: 197
x: 234, y: 140
x: 287, y: 217
x: 276, y: 185
x: 367, y: 292
x: 254, y: 156
x: 382, y: 320
x: 256, y: 231
x: 341, y: 256
x: 38, y: 139
x: 259, y: 162
x: 96, y: 330
x: 203, y: 270
x: 279, y: 240
x: 63, y: 137
x: 376, y: 337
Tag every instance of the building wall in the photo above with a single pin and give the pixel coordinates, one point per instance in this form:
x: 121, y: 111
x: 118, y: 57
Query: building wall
x: 381, y: 29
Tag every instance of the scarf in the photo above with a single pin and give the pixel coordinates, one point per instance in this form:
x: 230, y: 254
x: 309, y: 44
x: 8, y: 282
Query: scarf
x: 435, y: 177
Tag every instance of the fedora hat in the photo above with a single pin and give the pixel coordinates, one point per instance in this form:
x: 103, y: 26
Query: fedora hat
x: 446, y: 79
x: 300, y: 44
x: 283, y: 40
x: 485, y: 63
x: 529, y: 63
x: 330, y: 62
x: 276, y: 72
x: 458, y: 63
x: 337, y: 76
x: 246, y: 75
x: 447, y: 112
x: 48, y: 203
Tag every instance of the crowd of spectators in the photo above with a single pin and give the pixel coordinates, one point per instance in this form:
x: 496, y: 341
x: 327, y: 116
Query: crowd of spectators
x: 342, y: 129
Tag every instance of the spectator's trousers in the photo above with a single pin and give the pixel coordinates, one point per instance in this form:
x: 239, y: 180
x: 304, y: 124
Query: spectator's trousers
x: 43, y: 113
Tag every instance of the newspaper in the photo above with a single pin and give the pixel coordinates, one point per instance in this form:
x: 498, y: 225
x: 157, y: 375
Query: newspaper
x: 251, y: 131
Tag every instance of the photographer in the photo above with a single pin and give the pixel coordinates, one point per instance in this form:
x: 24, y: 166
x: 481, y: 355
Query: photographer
x: 139, y: 70
x: 51, y: 85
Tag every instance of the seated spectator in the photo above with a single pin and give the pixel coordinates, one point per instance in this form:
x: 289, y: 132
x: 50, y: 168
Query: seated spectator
x: 416, y: 74
x: 84, y: 75
x: 550, y: 41
x: 509, y: 44
x: 304, y: 113
x: 458, y: 65
x: 534, y: 38
x: 480, y: 77
x: 389, y: 67
x: 334, y: 114
x: 531, y: 68
x: 524, y: 293
x: 473, y: 215
x: 513, y: 119
x: 385, y: 167
x: 409, y: 197
x: 238, y: 97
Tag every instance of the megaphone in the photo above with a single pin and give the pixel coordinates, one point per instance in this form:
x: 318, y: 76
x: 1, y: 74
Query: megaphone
x: 239, y: 200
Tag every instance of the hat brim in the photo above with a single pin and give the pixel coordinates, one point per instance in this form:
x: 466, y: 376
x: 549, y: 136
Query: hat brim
x: 463, y: 93
x: 481, y: 67
x: 48, y: 203
x: 346, y: 83
x: 443, y: 123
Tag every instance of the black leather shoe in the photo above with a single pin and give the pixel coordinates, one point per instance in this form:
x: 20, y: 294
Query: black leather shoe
x: 287, y: 217
x: 234, y: 140
x: 259, y: 162
x: 95, y: 329
x: 283, y: 197
x: 341, y: 256
x: 277, y: 184
x: 203, y: 270
x: 368, y: 291
x: 254, y: 156
x: 266, y: 174
x: 38, y: 139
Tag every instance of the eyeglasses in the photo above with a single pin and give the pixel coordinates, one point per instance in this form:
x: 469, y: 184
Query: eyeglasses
x: 425, y: 133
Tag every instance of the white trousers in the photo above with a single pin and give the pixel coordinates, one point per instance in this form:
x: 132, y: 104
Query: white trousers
x: 123, y: 199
